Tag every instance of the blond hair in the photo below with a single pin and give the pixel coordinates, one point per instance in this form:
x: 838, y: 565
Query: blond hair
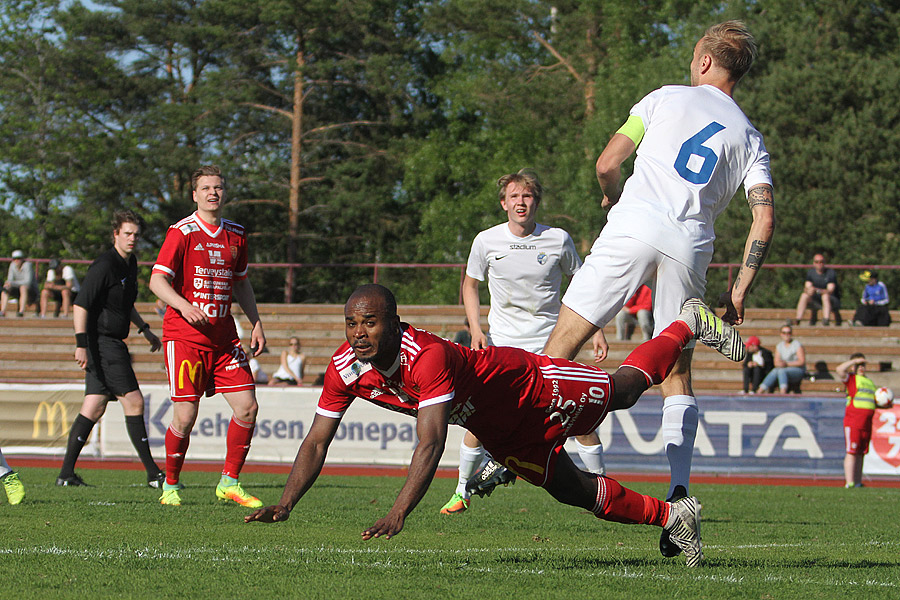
x: 525, y: 178
x: 731, y: 46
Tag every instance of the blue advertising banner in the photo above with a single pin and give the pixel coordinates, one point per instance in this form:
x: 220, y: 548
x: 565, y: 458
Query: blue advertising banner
x: 787, y: 434
x: 793, y: 434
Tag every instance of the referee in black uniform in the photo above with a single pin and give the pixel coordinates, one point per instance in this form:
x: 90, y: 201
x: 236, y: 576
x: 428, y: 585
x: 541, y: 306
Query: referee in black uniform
x: 104, y: 310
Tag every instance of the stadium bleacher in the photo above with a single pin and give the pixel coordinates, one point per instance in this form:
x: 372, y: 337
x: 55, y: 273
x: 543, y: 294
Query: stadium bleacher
x: 36, y: 350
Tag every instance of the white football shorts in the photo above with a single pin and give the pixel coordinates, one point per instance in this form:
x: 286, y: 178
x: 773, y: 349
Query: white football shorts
x: 613, y: 271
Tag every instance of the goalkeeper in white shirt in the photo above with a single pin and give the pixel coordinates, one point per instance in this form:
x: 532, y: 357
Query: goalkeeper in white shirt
x: 695, y: 147
x: 523, y: 262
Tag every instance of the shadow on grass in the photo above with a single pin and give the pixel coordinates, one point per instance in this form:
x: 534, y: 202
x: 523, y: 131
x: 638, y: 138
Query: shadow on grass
x: 706, y: 520
x: 538, y: 560
x: 804, y: 564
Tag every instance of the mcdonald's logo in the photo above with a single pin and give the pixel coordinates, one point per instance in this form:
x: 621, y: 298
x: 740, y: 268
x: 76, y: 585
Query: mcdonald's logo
x: 194, y: 371
x: 50, y: 412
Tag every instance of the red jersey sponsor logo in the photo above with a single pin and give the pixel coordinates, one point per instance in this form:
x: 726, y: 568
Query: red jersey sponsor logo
x: 193, y: 370
x: 202, y: 264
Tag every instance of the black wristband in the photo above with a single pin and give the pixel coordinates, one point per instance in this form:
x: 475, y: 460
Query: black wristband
x: 81, y: 340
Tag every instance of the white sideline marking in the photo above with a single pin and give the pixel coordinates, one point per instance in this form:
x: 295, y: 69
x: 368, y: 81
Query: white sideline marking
x: 319, y: 555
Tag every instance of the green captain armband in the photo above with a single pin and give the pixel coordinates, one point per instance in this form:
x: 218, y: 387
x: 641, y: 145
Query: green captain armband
x: 633, y: 129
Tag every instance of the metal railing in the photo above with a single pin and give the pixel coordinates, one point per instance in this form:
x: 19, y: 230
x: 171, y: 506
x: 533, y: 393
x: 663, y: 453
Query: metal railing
x: 377, y: 269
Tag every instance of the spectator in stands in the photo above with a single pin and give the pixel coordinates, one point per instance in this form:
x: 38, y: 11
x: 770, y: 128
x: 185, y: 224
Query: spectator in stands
x: 61, y: 286
x: 820, y: 291
x: 857, y: 416
x: 259, y: 376
x: 637, y: 311
x: 757, y: 364
x: 790, y: 364
x: 873, y: 308
x: 293, y: 362
x: 20, y: 284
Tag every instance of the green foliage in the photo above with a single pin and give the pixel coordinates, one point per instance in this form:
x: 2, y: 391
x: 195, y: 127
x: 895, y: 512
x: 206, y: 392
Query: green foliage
x: 355, y: 62
x: 410, y: 111
x: 539, y: 85
x: 115, y: 540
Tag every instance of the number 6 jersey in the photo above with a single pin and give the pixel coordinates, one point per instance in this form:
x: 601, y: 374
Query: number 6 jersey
x: 202, y: 262
x: 698, y: 147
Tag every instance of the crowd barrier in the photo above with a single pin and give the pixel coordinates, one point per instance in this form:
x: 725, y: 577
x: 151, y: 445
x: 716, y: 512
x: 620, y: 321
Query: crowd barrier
x: 736, y: 434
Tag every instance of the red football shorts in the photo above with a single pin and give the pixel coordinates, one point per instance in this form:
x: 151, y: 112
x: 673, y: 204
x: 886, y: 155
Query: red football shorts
x: 193, y: 372
x: 573, y: 400
x: 857, y: 441
x: 857, y: 430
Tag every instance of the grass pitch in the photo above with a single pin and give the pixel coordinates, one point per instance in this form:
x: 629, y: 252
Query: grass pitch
x: 115, y: 540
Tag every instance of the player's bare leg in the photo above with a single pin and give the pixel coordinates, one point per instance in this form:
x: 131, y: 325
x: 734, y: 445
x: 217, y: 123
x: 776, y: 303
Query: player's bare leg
x: 178, y: 437
x: 680, y: 413
x: 570, y: 333
x: 237, y: 441
x: 611, y: 501
x: 853, y: 466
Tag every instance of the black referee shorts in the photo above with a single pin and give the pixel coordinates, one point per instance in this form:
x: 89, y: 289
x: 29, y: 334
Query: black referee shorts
x: 109, y: 371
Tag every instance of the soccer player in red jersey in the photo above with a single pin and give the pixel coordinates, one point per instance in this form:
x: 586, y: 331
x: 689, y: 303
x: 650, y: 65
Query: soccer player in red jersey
x: 202, y: 262
x: 522, y: 406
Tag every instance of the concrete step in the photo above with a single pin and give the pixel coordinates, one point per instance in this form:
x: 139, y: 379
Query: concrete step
x: 40, y: 350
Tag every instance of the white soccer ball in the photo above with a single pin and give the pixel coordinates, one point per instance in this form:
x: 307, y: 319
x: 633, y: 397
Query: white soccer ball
x: 884, y: 397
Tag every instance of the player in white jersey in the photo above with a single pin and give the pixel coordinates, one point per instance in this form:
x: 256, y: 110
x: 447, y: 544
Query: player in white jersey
x: 524, y: 275
x: 694, y: 148
x: 523, y: 262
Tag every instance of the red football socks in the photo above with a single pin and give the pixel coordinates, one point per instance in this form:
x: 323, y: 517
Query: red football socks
x: 237, y: 443
x: 622, y: 505
x: 176, y: 447
x: 656, y: 357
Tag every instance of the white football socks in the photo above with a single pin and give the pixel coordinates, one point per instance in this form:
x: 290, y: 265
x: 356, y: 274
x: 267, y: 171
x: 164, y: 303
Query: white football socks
x: 4, y: 466
x: 470, y: 460
x: 679, y: 426
x: 592, y: 457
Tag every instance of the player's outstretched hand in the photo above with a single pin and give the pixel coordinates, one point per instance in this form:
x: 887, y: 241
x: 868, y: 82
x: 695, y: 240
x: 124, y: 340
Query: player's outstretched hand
x: 155, y: 344
x: 269, y: 514
x: 387, y: 527
x: 479, y: 341
x: 608, y: 202
x: 600, y: 346
x: 194, y: 316
x: 734, y: 312
x: 257, y: 339
x: 81, y: 358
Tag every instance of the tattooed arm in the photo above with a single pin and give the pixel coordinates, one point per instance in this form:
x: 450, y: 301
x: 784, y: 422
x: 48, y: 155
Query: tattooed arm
x: 762, y: 205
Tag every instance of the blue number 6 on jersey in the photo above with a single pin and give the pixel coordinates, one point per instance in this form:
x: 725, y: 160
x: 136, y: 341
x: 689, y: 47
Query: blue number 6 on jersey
x: 694, y: 145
